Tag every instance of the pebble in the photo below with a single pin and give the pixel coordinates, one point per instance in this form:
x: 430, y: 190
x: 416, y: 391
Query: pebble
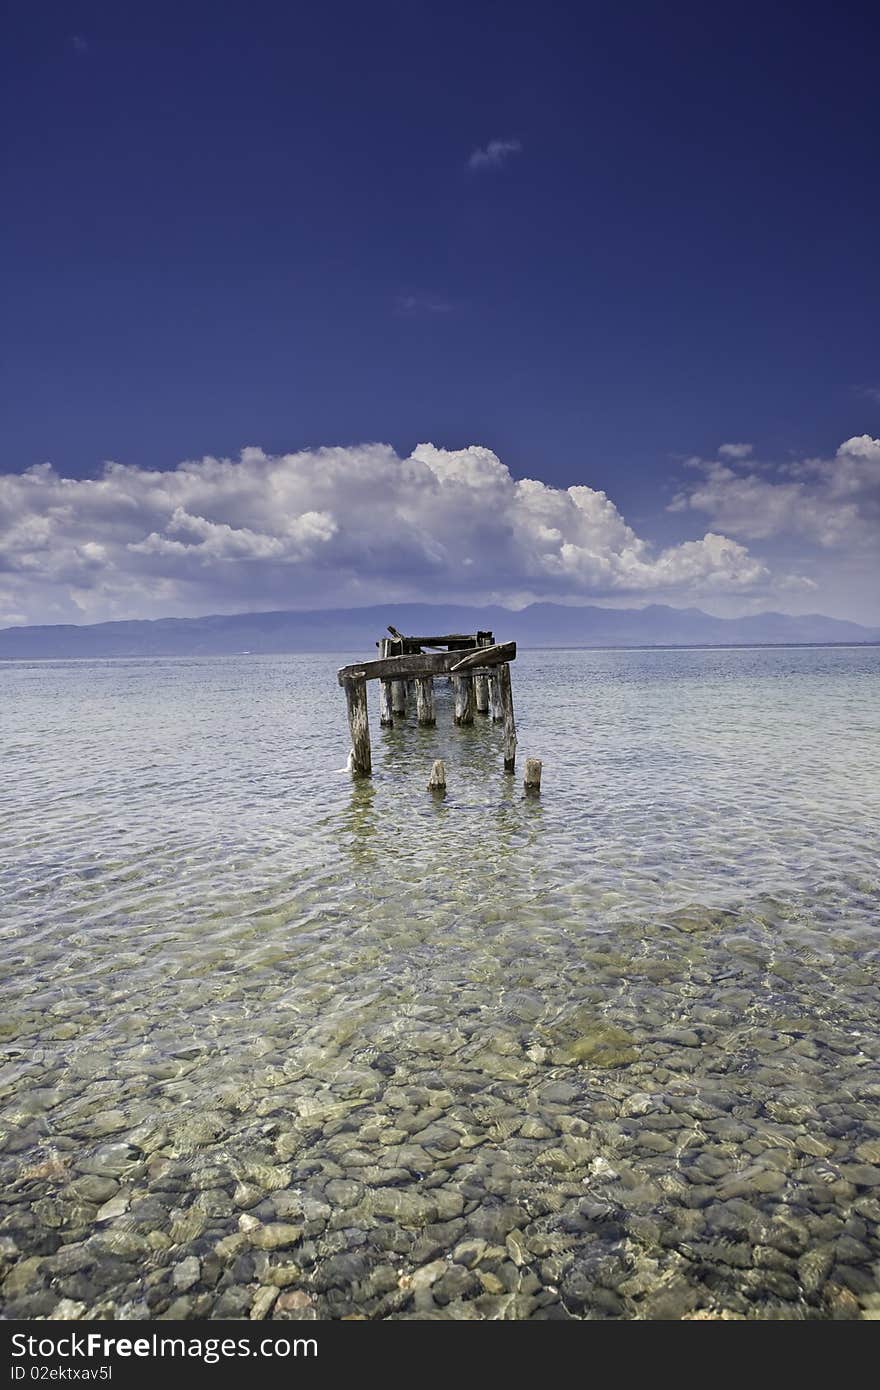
x: 276, y: 1236
x: 262, y: 1304
x: 187, y: 1273
x: 117, y: 1206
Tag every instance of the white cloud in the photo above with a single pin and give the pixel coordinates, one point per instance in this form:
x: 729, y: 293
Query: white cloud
x: 416, y: 305
x: 735, y: 451
x: 493, y: 155
x: 832, y: 502
x: 330, y: 527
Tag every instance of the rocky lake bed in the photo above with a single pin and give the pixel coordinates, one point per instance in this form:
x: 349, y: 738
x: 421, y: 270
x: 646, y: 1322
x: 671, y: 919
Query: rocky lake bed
x: 485, y: 1059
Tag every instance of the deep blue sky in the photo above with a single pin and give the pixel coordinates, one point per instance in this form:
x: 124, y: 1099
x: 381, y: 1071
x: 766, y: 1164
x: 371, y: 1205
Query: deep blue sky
x: 255, y: 224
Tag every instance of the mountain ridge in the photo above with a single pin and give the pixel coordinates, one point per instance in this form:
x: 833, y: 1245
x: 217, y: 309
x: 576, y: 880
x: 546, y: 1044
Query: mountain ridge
x: 537, y: 625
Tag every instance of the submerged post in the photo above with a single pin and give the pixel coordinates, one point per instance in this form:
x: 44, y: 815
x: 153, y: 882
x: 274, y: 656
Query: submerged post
x: 425, y: 700
x: 505, y: 694
x: 532, y: 779
x: 463, y: 687
x: 359, y: 725
x: 386, y: 712
x: 437, y: 780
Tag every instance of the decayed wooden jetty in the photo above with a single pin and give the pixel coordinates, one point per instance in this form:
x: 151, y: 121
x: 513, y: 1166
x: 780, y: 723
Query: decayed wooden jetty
x: 478, y: 667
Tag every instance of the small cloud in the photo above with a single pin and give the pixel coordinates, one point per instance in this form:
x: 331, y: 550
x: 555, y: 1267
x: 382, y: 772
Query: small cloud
x: 79, y: 44
x: 493, y: 155
x: 736, y: 451
x: 415, y: 305
x: 793, y: 583
x: 868, y: 393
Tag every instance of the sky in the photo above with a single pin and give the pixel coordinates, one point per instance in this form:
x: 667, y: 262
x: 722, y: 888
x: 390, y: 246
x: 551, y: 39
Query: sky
x: 314, y: 306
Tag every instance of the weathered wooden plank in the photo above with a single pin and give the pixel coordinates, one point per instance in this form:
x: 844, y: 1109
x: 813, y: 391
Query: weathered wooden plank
x: 359, y: 726
x: 402, y: 668
x: 425, y: 700
x: 506, y: 698
x: 473, y: 638
x: 463, y: 689
x: 486, y: 656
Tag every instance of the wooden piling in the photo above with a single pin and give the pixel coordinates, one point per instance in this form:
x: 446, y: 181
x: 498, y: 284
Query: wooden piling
x: 481, y: 694
x: 386, y: 711
x: 463, y: 687
x: 425, y: 700
x: 359, y: 725
x: 505, y: 695
x: 494, y: 698
x: 532, y: 779
x: 437, y: 780
x: 481, y: 682
x: 398, y: 698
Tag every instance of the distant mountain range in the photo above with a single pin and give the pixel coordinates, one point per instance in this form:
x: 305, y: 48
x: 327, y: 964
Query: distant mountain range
x: 355, y: 630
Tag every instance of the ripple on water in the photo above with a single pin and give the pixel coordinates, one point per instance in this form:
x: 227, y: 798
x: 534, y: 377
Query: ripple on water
x: 280, y: 1045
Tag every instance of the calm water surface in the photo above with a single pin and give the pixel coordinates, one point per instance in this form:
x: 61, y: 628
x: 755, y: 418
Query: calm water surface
x: 282, y: 1045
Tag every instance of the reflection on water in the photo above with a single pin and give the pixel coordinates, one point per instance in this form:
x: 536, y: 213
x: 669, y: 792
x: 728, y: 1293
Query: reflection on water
x: 281, y: 1044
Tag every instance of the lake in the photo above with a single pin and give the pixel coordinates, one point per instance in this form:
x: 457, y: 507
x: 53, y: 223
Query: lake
x: 279, y: 1045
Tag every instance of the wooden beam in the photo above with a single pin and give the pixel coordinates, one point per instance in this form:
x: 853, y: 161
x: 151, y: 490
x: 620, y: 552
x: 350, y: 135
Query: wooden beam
x: 486, y: 656
x: 474, y: 639
x: 402, y: 668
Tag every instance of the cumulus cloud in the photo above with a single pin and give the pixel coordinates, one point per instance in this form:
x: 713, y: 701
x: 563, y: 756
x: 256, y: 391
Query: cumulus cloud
x: 735, y: 451
x: 329, y: 527
x: 831, y: 502
x: 493, y: 155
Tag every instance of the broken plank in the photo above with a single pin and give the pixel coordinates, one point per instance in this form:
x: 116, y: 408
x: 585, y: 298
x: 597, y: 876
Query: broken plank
x: 411, y: 667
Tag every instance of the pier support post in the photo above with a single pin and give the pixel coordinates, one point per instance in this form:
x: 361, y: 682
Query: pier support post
x: 463, y: 686
x: 494, y: 698
x: 532, y: 779
x: 481, y: 694
x: 386, y: 712
x: 359, y: 725
x: 398, y: 697
x: 437, y: 780
x: 425, y: 700
x: 505, y: 695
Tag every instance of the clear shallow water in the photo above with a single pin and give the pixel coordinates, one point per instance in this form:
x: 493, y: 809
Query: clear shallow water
x: 279, y: 1044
